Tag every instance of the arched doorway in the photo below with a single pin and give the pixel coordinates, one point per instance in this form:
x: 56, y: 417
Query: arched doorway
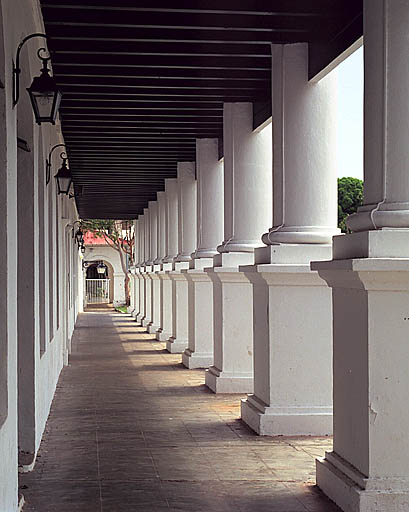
x: 110, y: 258
x: 99, y: 283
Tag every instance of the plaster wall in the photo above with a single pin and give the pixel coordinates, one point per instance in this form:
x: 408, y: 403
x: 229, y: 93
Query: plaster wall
x: 53, y: 263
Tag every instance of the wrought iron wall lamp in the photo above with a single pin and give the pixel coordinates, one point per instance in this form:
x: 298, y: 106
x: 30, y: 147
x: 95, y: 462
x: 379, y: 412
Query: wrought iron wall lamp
x: 63, y: 177
x: 44, y: 93
x: 48, y: 163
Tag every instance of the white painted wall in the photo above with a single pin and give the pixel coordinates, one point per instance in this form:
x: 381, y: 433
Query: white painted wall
x: 55, y: 258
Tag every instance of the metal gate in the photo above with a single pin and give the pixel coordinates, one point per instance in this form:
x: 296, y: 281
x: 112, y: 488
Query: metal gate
x: 97, y: 291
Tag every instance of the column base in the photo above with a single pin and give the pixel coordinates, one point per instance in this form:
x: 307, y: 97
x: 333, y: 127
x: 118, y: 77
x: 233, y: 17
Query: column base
x: 139, y: 318
x: 130, y: 310
x: 196, y: 360
x: 285, y: 421
x: 353, y: 492
x: 222, y: 382
x: 145, y: 322
x: 152, y: 328
x: 174, y: 346
x: 161, y: 335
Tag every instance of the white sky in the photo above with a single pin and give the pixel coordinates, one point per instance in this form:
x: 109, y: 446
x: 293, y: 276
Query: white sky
x: 350, y: 116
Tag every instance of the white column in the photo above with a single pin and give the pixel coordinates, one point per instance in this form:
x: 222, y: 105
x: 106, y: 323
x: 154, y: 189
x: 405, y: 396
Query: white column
x: 162, y: 237
x: 247, y: 213
x: 305, y: 169
x: 368, y: 469
x: 141, y: 259
x: 187, y: 190
x: 132, y: 278
x: 210, y: 215
x: 147, y: 238
x: 153, y: 231
x: 146, y: 269
x: 210, y: 204
x: 135, y: 311
x: 153, y: 249
x: 292, y: 336
x: 171, y: 249
x: 187, y: 211
x: 153, y: 325
x: 172, y: 200
x: 160, y: 254
x: 247, y: 179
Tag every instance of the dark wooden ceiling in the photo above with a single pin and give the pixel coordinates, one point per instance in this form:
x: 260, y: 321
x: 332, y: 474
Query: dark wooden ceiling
x: 142, y: 79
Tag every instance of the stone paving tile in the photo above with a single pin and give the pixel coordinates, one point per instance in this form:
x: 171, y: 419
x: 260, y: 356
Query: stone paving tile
x: 131, y: 429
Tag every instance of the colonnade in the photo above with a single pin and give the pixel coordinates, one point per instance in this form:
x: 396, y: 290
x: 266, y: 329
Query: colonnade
x: 311, y: 323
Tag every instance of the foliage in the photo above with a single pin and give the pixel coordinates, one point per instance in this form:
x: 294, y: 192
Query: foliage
x: 116, y: 233
x: 350, y: 194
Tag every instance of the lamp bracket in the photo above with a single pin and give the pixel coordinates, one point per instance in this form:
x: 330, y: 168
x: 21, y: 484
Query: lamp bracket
x: 16, y: 65
x: 48, y: 162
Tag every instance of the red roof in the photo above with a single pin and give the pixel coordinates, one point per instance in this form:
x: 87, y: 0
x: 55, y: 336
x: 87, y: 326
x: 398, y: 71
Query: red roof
x: 93, y: 239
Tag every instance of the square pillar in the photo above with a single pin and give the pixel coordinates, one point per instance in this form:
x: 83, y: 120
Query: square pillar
x: 232, y: 370
x: 199, y: 353
x: 165, y: 330
x: 178, y: 342
x: 155, y: 300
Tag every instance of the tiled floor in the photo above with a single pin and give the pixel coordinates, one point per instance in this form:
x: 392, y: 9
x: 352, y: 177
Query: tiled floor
x: 132, y: 430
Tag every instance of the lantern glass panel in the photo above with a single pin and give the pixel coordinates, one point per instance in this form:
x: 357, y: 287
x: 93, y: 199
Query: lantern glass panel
x: 63, y: 184
x: 45, y: 99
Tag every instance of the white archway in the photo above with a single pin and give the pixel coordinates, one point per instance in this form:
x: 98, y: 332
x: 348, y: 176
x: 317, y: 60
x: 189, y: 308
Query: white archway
x: 110, y: 256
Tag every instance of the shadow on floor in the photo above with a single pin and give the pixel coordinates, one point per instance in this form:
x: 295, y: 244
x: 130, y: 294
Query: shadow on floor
x: 131, y: 429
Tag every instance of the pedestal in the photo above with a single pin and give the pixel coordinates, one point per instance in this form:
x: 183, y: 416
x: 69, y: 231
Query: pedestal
x: 199, y: 353
x: 131, y: 285
x: 165, y: 330
x: 232, y: 371
x: 141, y: 313
x: 178, y: 342
x: 148, y: 296
x: 368, y: 470
x: 292, y: 344
x: 135, y: 312
x: 155, y: 300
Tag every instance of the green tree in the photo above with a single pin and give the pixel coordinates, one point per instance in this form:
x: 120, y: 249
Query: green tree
x: 350, y: 194
x: 118, y: 235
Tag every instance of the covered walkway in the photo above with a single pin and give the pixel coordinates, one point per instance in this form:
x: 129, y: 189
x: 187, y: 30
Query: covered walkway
x: 132, y: 429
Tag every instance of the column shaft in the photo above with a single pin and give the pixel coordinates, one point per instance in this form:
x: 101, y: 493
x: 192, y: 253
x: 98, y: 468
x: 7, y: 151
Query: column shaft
x: 305, y: 169
x: 162, y: 235
x: 171, y: 189
x: 247, y: 176
x: 210, y: 193
x: 141, y: 259
x: 386, y: 151
x: 187, y: 190
x: 153, y: 235
x: 146, y: 269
